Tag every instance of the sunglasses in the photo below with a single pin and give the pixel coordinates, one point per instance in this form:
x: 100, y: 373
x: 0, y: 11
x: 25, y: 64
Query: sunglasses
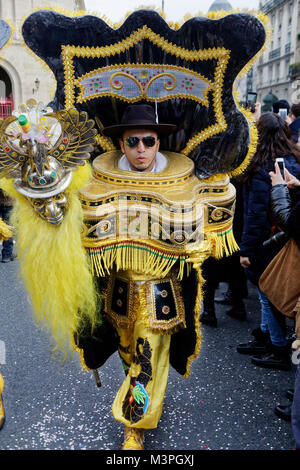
x: 148, y: 141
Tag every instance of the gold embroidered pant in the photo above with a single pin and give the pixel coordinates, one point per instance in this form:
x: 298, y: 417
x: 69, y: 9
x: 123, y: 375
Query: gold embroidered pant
x: 145, y: 357
x: 145, y: 312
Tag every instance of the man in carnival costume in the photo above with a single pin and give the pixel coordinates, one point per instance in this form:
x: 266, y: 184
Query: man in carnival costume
x: 143, y: 297
x: 118, y: 247
x: 144, y: 337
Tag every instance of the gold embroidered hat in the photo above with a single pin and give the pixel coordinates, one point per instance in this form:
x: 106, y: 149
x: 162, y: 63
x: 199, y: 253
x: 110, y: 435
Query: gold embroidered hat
x: 139, y: 116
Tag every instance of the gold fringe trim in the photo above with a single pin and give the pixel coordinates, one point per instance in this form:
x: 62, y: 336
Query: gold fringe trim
x: 223, y: 241
x: 136, y: 256
x: 151, y: 259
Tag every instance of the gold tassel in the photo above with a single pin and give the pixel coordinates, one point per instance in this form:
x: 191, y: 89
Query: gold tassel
x: 131, y: 255
x: 223, y: 242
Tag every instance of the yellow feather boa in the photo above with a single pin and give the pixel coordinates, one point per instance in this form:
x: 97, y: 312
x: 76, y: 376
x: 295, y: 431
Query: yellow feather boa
x: 54, y: 265
x: 5, y: 231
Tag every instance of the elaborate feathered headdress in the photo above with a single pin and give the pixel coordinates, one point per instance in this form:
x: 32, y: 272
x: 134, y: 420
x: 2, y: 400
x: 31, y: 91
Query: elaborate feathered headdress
x: 186, y: 74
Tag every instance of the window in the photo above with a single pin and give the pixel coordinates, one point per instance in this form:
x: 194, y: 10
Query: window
x: 2, y: 90
x: 273, y: 20
x: 277, y: 72
x: 270, y: 73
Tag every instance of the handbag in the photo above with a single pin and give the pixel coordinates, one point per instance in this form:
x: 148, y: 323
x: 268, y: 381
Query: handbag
x: 280, y: 281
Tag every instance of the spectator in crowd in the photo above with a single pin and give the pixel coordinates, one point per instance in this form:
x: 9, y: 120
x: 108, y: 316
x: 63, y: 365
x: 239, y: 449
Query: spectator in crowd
x: 280, y: 104
x: 286, y: 212
x: 274, y: 141
x: 295, y: 121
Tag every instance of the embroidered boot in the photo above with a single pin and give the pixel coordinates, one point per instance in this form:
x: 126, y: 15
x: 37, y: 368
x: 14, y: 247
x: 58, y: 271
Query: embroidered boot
x: 134, y: 439
x: 2, y: 412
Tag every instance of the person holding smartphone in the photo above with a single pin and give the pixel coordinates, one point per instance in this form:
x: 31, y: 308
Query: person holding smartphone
x: 269, y: 347
x: 285, y: 201
x: 281, y: 105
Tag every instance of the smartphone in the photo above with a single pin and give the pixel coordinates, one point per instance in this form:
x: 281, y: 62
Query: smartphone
x: 251, y: 100
x: 283, y: 113
x: 281, y: 165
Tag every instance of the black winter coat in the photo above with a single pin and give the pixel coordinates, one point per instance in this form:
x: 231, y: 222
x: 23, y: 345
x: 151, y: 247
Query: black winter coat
x: 286, y: 209
x: 258, y: 219
x: 295, y: 128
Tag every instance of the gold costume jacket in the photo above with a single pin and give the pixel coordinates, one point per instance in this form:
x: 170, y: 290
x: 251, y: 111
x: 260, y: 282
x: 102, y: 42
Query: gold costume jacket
x: 147, y: 235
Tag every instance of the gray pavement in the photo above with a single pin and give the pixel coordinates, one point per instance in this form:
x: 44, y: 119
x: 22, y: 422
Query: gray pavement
x: 226, y: 403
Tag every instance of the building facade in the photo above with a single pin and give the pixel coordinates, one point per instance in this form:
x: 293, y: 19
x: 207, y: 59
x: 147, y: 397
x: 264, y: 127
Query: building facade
x: 278, y: 68
x: 219, y: 5
x: 22, y: 74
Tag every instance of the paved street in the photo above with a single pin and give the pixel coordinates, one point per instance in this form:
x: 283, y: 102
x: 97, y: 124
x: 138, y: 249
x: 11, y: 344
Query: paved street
x: 227, y: 403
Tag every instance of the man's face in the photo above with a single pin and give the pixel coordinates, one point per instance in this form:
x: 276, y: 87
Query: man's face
x: 141, y: 157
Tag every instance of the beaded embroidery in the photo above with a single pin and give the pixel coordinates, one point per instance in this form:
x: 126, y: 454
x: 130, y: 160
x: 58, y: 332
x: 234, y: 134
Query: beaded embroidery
x: 135, y: 82
x: 165, y: 307
x: 136, y: 402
